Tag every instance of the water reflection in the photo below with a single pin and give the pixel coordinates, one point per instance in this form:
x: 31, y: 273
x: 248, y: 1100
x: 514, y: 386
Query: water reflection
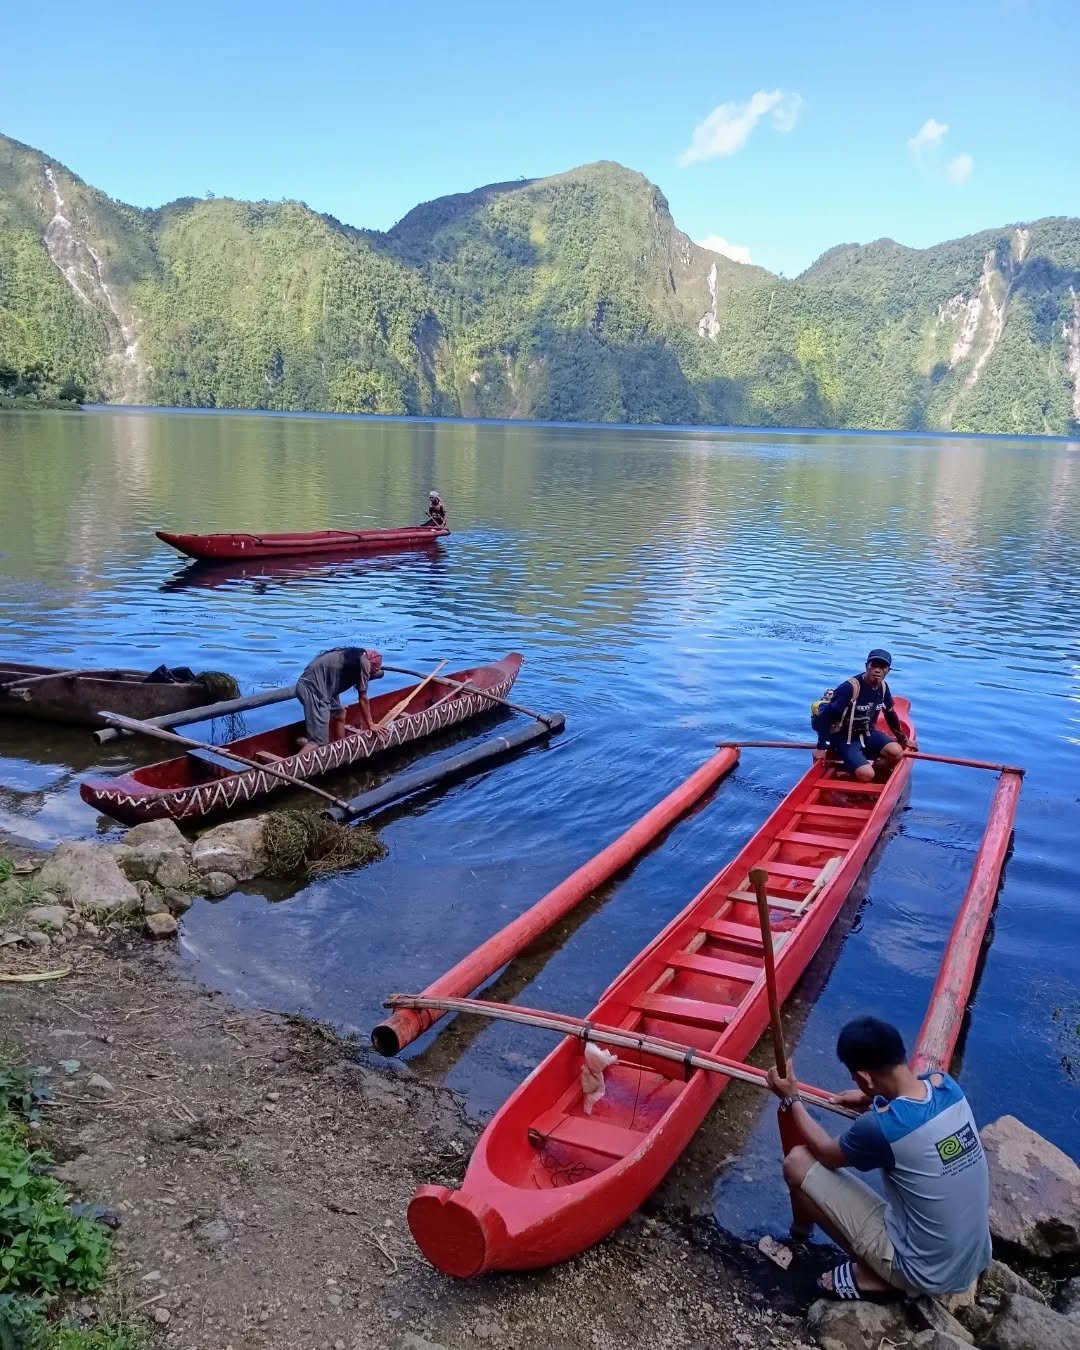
x: 668, y: 587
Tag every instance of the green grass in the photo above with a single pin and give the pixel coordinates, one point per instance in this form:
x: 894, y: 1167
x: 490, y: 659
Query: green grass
x: 46, y: 1252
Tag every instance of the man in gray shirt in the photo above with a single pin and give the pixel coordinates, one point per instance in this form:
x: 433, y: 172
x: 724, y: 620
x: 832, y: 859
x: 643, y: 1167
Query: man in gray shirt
x: 320, y: 687
x: 931, y: 1233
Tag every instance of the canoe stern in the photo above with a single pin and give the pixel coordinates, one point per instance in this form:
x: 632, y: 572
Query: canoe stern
x: 458, y: 1232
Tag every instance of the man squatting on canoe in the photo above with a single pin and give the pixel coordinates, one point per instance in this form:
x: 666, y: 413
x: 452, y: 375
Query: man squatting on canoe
x: 436, y: 512
x: 846, y: 718
x: 931, y: 1233
x: 320, y: 687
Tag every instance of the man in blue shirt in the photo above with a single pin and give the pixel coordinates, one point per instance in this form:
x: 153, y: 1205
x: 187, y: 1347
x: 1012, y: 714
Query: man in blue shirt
x: 846, y: 723
x: 931, y: 1233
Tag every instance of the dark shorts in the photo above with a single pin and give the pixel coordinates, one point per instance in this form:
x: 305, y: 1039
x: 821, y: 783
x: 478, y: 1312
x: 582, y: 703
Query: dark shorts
x: 854, y: 754
x: 318, y: 711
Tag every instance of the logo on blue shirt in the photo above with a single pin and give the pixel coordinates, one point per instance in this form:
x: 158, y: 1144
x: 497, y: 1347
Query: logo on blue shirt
x: 957, y: 1146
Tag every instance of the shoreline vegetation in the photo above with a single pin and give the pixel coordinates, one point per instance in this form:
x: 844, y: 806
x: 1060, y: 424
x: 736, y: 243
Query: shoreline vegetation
x: 41, y: 404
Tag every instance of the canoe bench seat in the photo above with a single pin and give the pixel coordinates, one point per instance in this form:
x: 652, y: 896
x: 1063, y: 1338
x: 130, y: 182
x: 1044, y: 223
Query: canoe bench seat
x: 597, y: 1135
x: 209, y: 764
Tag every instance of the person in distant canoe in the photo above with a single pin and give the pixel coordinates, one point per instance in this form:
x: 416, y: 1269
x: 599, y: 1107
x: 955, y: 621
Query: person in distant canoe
x: 320, y: 687
x: 846, y: 722
x: 436, y: 512
x: 931, y: 1232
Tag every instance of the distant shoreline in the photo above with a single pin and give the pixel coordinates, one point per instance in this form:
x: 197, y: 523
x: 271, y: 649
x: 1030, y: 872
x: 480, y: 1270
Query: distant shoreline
x: 45, y: 404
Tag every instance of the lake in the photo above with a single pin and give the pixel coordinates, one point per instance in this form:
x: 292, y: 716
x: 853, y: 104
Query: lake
x: 669, y: 588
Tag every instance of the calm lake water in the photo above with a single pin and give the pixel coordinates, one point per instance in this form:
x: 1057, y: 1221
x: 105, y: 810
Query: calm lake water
x: 668, y: 588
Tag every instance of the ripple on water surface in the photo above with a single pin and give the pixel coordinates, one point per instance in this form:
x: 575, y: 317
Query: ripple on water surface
x: 668, y: 588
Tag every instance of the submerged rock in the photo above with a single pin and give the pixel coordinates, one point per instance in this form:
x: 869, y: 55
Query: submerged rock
x: 87, y: 876
x: 237, y: 847
x: 1034, y: 1191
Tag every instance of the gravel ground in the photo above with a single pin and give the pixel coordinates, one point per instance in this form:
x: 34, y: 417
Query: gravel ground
x: 260, y: 1171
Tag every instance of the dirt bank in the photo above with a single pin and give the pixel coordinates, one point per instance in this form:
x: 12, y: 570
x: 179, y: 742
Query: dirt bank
x: 260, y: 1174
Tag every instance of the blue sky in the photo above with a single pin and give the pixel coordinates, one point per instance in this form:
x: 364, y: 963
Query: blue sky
x: 782, y: 128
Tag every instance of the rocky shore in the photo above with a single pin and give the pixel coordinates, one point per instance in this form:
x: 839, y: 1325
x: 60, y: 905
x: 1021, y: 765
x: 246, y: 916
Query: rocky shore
x: 258, y: 1168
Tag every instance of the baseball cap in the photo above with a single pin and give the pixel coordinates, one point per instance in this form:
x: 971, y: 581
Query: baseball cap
x: 879, y: 656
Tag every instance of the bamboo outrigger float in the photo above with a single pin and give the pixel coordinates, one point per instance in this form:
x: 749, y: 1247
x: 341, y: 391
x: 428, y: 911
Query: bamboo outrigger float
x: 555, y: 1172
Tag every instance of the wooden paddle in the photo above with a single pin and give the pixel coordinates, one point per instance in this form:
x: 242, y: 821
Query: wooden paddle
x: 400, y: 707
x: 620, y: 1037
x: 159, y: 733
x: 758, y: 879
x: 472, y: 689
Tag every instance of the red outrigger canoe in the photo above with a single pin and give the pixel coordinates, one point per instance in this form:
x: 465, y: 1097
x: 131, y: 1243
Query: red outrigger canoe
x: 218, y: 547
x: 547, y: 1180
x: 204, y: 783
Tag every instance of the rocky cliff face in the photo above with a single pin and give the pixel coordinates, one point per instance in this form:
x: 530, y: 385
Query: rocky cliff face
x: 571, y: 297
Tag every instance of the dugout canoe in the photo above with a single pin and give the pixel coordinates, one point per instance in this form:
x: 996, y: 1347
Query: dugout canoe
x: 202, y: 783
x: 76, y: 697
x: 222, y: 547
x: 548, y: 1180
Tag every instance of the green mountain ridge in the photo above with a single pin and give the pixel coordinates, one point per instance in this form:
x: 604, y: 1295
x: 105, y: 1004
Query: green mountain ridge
x: 573, y: 297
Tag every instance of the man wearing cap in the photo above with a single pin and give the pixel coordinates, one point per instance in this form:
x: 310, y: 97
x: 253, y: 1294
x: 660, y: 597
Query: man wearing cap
x: 846, y: 722
x: 320, y: 687
x: 436, y: 512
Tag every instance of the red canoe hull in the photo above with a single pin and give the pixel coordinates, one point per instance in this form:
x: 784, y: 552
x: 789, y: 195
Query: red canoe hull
x: 219, y: 547
x: 187, y: 788
x: 547, y: 1180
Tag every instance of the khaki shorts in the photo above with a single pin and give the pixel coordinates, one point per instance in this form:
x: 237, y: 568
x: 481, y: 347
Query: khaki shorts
x: 858, y: 1215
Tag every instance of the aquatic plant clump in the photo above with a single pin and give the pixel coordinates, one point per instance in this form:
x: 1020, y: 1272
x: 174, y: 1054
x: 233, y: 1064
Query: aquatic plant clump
x: 303, y: 842
x: 218, y: 685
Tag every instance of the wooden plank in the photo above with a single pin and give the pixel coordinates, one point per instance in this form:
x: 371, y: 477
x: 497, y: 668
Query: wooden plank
x: 601, y: 1136
x: 211, y: 760
x: 775, y: 901
x: 698, y: 1011
x: 715, y: 965
x: 852, y: 813
x: 797, y: 871
x: 833, y: 842
x: 733, y: 932
x: 853, y: 786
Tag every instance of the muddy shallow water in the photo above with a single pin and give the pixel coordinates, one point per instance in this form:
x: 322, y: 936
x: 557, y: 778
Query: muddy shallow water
x: 668, y: 588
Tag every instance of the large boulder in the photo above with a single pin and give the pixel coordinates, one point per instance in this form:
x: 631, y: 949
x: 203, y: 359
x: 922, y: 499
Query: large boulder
x: 238, y: 847
x: 1024, y: 1324
x: 164, y: 832
x: 998, y: 1279
x: 1068, y: 1300
x: 858, y: 1326
x: 86, y: 875
x: 1034, y: 1191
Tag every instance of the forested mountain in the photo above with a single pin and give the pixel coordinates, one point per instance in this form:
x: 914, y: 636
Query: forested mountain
x: 573, y: 297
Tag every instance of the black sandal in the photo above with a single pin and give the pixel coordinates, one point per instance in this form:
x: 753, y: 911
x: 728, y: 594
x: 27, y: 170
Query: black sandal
x: 845, y: 1287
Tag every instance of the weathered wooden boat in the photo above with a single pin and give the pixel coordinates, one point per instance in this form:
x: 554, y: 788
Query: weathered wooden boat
x: 548, y: 1178
x: 77, y: 696
x: 204, y: 783
x: 218, y: 547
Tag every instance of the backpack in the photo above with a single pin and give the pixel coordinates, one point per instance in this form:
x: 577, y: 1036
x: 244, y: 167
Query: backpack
x: 816, y: 706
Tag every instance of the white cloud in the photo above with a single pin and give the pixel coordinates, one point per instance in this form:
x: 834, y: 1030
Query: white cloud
x: 727, y: 128
x: 716, y: 243
x: 928, y: 137
x: 959, y: 170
